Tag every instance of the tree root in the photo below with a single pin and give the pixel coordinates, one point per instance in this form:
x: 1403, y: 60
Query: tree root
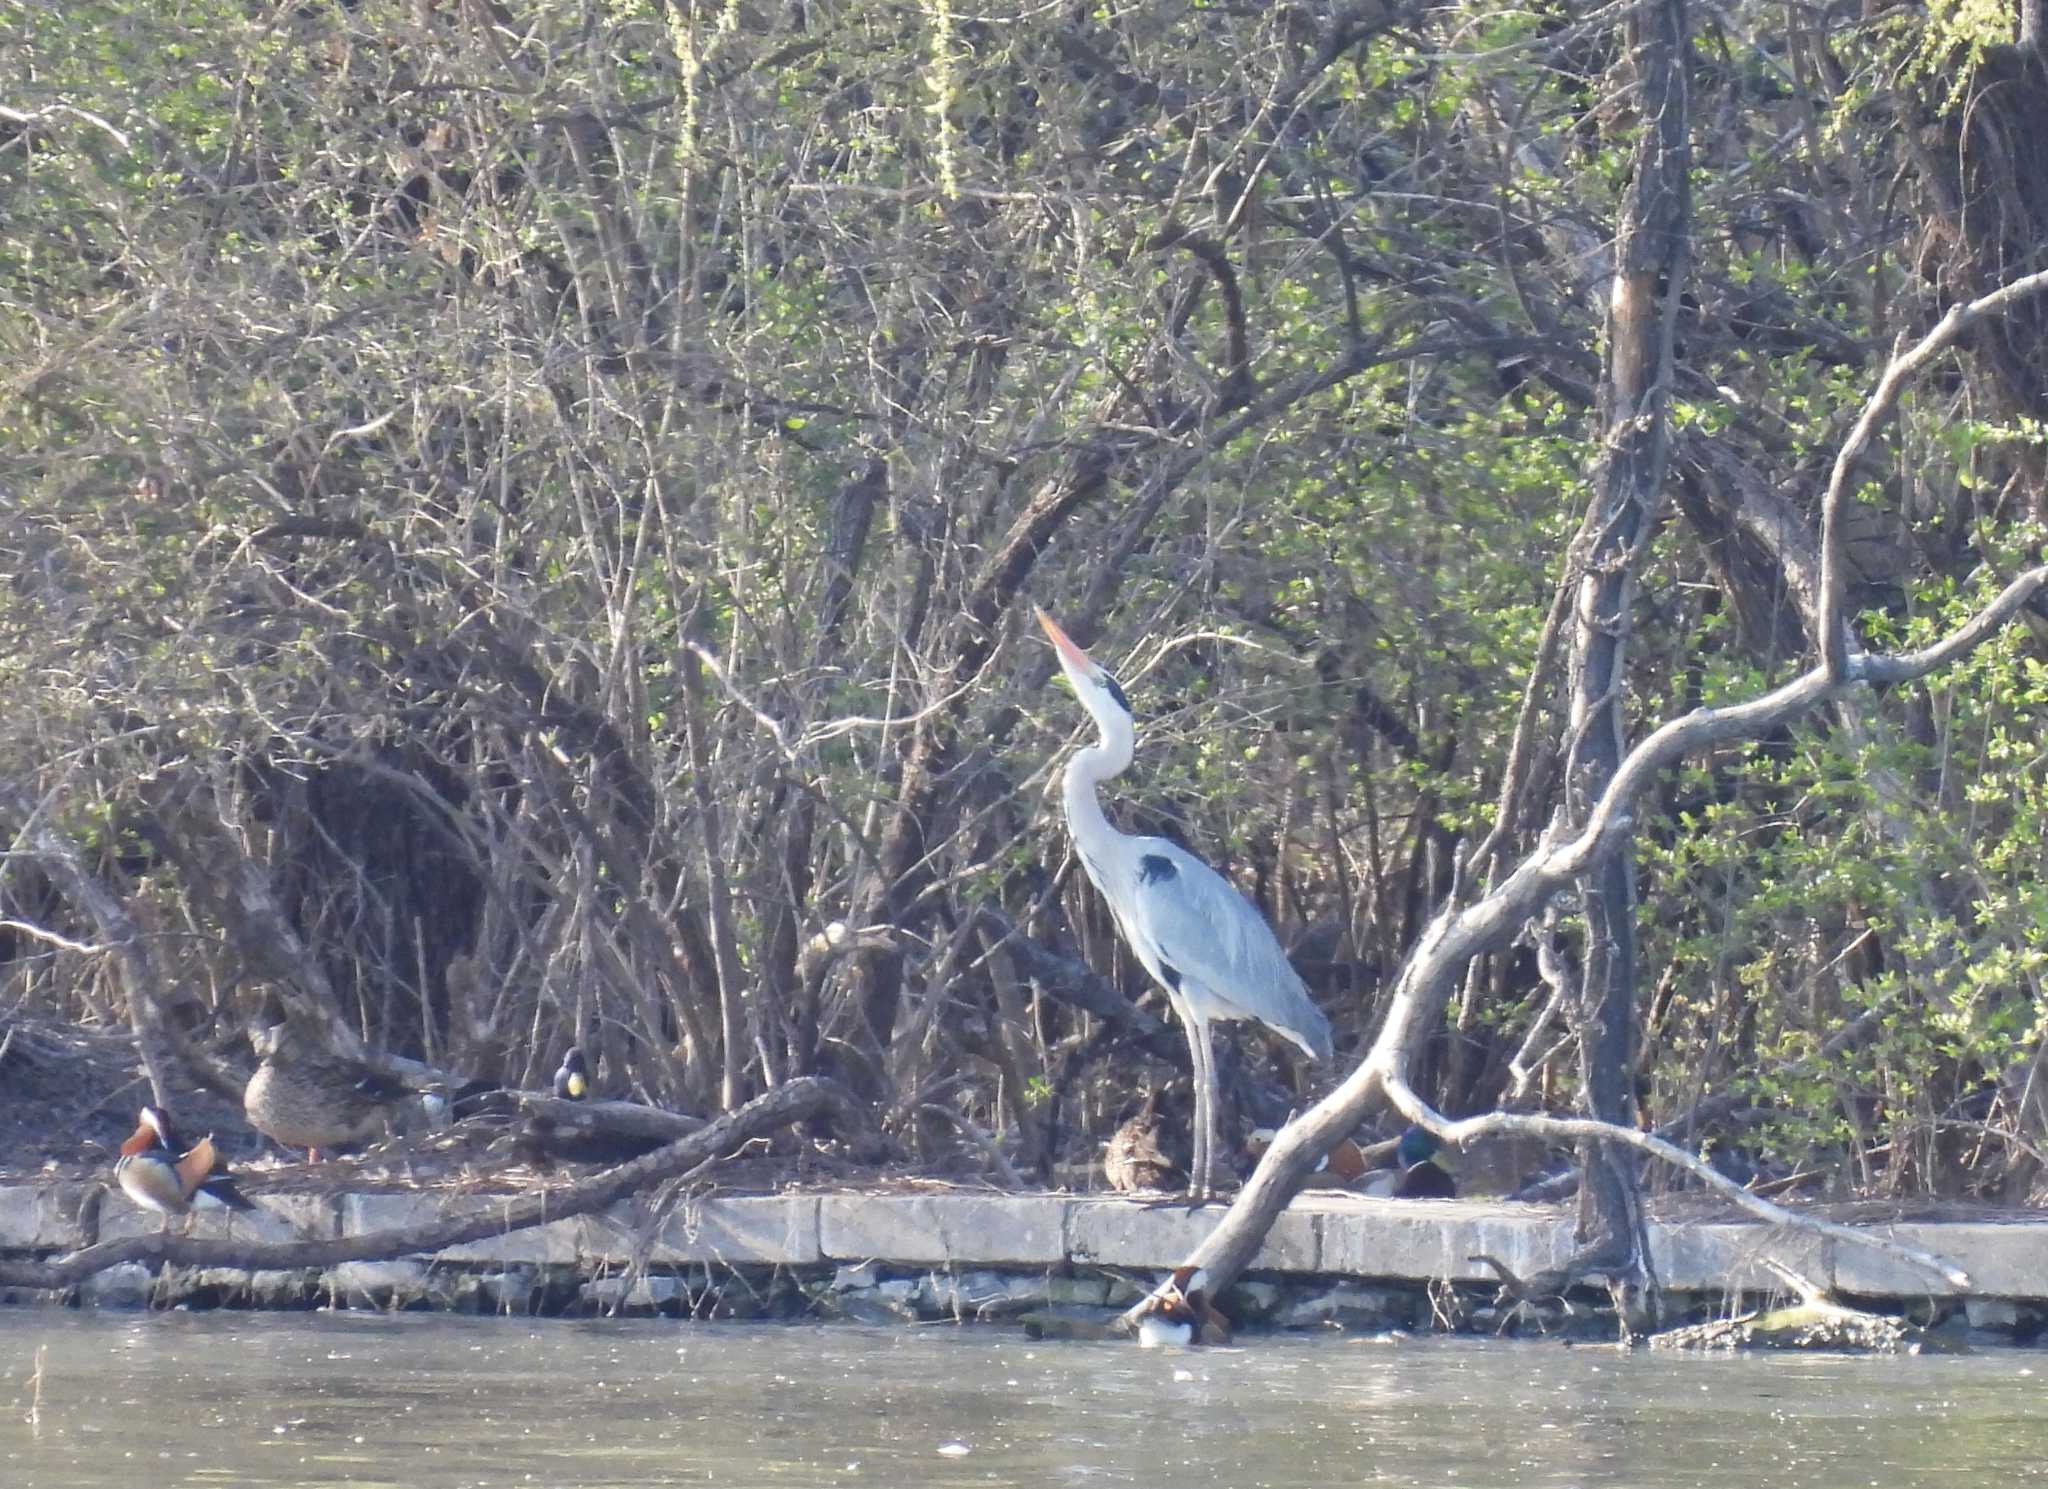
x: 1814, y: 1322
x: 1802, y: 1325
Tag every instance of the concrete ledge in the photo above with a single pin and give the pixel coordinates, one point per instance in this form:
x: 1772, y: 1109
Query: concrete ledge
x: 2003, y: 1259
x: 277, y: 1217
x: 1435, y: 1239
x: 47, y: 1217
x: 557, y: 1241
x: 780, y: 1230
x: 1124, y: 1233
x: 1338, y: 1238
x: 995, y: 1229
x: 1730, y: 1257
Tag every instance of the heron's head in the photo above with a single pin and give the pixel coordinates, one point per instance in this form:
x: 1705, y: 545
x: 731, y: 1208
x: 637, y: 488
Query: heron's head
x: 1092, y: 683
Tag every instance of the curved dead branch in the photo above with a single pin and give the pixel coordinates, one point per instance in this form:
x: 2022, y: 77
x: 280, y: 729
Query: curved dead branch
x: 39, y: 840
x: 1459, y: 934
x: 1904, y: 364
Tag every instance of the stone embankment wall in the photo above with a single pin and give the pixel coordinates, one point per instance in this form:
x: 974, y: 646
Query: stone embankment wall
x: 1058, y: 1263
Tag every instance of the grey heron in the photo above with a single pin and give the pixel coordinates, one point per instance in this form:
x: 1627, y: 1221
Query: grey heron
x: 1200, y: 939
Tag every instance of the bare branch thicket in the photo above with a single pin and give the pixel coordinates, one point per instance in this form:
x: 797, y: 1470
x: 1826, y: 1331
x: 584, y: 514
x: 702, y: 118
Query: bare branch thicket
x: 378, y: 468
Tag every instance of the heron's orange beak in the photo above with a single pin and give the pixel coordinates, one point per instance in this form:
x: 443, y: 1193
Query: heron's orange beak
x: 1070, y: 654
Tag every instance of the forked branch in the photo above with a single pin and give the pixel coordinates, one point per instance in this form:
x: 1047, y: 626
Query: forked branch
x: 1432, y: 972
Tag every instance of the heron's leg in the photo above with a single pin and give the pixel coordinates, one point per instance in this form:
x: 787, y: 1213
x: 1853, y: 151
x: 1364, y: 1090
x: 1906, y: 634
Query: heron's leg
x: 1204, y: 1056
x: 1209, y: 1136
x: 1196, y: 1173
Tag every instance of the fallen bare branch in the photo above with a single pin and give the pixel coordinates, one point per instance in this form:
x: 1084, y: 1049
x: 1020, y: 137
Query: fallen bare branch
x: 57, y: 856
x: 794, y: 1101
x: 1458, y: 934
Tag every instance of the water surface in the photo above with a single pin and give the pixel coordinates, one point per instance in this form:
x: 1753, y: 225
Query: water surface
x: 433, y: 1402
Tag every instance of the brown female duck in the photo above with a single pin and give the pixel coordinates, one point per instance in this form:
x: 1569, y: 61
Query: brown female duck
x: 305, y: 1096
x: 1135, y: 1156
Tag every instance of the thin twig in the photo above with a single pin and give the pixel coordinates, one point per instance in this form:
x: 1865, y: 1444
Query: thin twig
x: 35, y: 1392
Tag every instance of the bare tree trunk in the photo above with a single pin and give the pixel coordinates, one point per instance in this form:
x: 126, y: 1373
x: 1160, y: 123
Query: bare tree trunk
x: 58, y: 857
x: 1428, y: 979
x: 739, y: 1009
x: 853, y: 512
x: 1651, y: 254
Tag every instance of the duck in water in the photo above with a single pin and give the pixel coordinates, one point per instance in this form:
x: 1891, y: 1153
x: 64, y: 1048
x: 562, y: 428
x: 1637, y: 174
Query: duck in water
x: 1181, y: 1313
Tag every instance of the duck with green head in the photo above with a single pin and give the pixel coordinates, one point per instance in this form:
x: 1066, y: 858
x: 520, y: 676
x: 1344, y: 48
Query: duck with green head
x: 1416, y: 1174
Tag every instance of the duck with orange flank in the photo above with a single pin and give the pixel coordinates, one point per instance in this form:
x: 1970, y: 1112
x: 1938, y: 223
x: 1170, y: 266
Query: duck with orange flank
x: 1180, y: 1313
x: 159, y: 1173
x: 1343, y: 1164
x: 1416, y: 1171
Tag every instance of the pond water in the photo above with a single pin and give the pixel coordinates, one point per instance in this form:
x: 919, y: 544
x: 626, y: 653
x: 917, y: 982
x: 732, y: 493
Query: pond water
x: 433, y: 1402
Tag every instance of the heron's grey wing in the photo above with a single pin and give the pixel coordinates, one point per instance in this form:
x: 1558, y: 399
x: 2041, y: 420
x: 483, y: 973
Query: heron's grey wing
x: 1203, y: 931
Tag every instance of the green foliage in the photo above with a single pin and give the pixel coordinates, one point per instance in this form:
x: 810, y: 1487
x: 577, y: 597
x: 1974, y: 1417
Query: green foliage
x: 1840, y: 892
x: 1946, y: 46
x: 398, y: 396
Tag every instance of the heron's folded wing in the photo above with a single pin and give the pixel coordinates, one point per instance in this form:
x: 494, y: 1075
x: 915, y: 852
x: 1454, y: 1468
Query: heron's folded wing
x: 1194, y: 922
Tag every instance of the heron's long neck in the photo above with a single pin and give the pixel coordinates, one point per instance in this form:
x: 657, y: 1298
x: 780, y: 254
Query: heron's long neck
x: 1087, y: 770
